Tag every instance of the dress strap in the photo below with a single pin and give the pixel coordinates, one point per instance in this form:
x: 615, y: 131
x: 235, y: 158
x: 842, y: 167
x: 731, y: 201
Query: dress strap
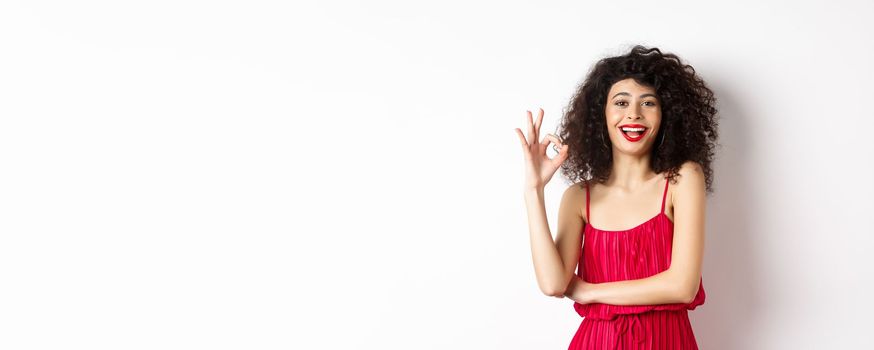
x: 588, y: 218
x: 665, y: 195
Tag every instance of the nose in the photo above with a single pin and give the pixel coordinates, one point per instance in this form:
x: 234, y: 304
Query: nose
x: 634, y: 113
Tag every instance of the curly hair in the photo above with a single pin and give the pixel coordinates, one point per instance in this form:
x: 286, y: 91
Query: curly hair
x: 688, y: 127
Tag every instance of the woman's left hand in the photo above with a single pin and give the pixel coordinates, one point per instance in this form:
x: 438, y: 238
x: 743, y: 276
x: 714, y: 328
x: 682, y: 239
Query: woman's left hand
x: 579, y: 290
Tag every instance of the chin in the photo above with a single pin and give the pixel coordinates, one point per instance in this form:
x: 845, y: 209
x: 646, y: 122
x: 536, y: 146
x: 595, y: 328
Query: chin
x: 634, y: 150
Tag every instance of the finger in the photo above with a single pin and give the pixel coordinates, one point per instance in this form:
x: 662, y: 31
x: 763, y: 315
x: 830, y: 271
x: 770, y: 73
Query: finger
x: 532, y: 133
x: 559, y: 149
x: 544, y: 144
x: 522, y: 139
x: 537, y: 123
x: 562, y: 155
x: 551, y: 138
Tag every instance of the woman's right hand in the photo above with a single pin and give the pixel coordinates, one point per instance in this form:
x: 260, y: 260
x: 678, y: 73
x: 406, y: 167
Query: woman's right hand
x: 538, y: 167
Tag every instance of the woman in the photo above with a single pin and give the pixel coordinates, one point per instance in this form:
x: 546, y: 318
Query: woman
x: 637, y: 137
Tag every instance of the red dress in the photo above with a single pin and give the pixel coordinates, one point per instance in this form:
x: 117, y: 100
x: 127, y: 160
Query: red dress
x: 639, y: 252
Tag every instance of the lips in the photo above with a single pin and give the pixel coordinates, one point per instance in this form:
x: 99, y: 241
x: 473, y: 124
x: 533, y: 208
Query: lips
x: 633, y: 132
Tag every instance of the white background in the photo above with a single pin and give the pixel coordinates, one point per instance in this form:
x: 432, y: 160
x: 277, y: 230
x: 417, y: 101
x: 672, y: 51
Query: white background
x: 345, y: 175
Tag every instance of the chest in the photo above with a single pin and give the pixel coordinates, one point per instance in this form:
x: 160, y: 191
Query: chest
x: 617, y: 211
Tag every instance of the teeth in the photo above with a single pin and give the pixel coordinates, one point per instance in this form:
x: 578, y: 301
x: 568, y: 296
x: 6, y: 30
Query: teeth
x: 633, y: 129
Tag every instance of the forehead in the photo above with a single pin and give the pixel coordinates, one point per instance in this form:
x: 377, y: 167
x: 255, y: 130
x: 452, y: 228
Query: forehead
x: 631, y: 86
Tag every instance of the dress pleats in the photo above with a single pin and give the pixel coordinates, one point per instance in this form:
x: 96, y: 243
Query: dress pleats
x: 639, y: 252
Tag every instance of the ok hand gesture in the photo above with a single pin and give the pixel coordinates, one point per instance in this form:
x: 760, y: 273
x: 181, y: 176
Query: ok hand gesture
x: 538, y: 167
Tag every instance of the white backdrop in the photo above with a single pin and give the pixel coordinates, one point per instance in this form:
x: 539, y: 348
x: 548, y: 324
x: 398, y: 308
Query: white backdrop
x: 266, y: 175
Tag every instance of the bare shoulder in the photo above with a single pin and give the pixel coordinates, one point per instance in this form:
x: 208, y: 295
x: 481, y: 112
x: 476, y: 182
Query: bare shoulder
x: 691, y: 175
x: 691, y: 182
x: 576, y: 189
x: 574, y: 199
x: 574, y: 193
x: 691, y: 166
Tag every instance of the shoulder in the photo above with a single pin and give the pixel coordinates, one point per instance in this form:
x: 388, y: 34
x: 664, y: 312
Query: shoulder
x: 691, y: 179
x: 575, y: 191
x: 691, y: 169
x: 574, y: 199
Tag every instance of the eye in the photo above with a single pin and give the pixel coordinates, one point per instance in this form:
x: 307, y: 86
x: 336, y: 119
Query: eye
x: 620, y: 103
x: 651, y: 103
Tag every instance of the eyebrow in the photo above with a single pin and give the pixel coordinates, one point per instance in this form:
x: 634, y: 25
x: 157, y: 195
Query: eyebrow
x: 641, y: 96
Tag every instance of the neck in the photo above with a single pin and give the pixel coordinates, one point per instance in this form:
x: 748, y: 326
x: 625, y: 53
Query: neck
x: 630, y: 171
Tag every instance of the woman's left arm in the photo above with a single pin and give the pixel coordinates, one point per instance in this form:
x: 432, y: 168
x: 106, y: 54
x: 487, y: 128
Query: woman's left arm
x: 680, y: 282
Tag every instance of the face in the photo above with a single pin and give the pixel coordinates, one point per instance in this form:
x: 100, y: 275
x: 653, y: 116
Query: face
x: 634, y: 115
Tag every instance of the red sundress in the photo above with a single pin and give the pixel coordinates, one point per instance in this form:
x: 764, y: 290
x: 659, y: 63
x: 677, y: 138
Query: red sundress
x: 639, y: 252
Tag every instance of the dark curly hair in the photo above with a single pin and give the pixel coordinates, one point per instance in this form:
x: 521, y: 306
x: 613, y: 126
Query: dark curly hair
x: 688, y: 124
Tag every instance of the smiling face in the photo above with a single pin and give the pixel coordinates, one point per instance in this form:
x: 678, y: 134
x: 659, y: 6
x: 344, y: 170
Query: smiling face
x: 634, y: 115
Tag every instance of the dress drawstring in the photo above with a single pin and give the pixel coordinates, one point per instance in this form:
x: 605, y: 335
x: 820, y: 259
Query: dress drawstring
x: 622, y: 325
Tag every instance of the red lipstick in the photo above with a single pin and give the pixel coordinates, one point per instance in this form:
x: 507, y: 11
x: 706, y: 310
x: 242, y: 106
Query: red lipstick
x: 640, y: 133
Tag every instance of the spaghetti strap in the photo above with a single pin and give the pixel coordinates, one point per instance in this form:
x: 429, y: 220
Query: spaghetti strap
x: 635, y: 253
x: 665, y: 195
x: 588, y: 218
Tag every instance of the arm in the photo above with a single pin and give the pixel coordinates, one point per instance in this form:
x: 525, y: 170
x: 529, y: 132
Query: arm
x: 680, y: 282
x: 554, y: 261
